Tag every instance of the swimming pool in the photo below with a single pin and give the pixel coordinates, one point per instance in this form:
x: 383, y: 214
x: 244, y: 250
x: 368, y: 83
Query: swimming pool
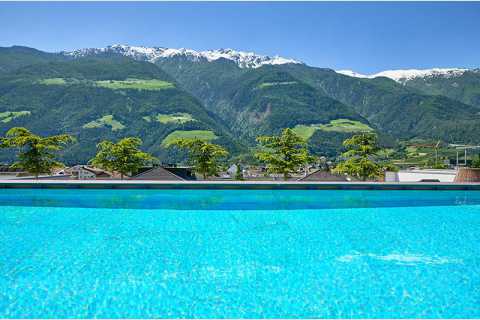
x: 239, y: 253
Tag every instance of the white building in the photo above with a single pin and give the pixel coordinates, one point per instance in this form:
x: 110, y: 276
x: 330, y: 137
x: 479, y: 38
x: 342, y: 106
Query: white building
x: 419, y: 175
x: 82, y: 172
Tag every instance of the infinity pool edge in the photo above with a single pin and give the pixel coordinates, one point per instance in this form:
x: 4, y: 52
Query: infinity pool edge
x: 254, y: 185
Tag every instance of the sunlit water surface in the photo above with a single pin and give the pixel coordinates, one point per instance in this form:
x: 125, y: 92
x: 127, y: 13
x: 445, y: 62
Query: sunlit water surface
x: 239, y: 253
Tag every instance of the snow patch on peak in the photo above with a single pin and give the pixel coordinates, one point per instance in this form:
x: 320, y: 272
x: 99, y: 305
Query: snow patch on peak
x: 403, y: 76
x: 245, y: 59
x: 153, y: 54
x: 352, y: 73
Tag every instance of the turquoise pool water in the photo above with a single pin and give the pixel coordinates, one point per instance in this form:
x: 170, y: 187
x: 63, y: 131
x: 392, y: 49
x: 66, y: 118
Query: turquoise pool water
x: 243, y: 253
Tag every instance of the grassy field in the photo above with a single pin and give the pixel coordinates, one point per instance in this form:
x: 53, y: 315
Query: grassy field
x: 206, y: 135
x: 338, y: 125
x: 273, y: 84
x: 8, y: 116
x: 103, y: 122
x: 170, y: 118
x: 136, y: 84
x: 306, y: 132
x: 417, y: 157
x: 431, y: 153
x: 53, y: 81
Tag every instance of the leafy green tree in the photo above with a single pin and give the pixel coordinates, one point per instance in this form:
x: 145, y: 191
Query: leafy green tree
x: 36, y: 154
x: 361, y: 158
x: 283, y: 154
x: 203, y: 155
x: 239, y: 173
x: 476, y: 162
x: 388, y: 166
x: 123, y: 156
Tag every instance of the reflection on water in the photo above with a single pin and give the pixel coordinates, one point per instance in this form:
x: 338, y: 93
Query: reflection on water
x: 387, y: 262
x: 234, y: 199
x: 402, y: 259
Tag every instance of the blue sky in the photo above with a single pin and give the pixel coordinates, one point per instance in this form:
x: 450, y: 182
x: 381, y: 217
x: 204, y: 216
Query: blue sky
x: 365, y: 37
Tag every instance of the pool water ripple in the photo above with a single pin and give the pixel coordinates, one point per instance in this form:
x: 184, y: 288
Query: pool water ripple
x: 310, y: 257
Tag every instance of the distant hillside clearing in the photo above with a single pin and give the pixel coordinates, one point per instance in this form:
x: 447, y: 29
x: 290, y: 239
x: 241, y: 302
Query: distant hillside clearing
x: 8, y: 116
x: 176, y: 135
x: 170, y: 118
x: 103, y: 122
x: 273, y: 84
x: 338, y: 125
x: 135, y: 84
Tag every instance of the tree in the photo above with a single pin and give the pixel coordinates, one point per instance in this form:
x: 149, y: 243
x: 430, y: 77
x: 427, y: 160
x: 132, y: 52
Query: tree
x: 36, y: 154
x: 239, y: 172
x: 284, y: 154
x: 360, y: 159
x: 203, y: 155
x: 124, y: 156
x: 476, y: 162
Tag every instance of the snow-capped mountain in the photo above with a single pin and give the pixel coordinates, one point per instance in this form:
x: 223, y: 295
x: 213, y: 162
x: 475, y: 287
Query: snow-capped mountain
x: 403, y: 76
x: 153, y: 54
x: 352, y: 73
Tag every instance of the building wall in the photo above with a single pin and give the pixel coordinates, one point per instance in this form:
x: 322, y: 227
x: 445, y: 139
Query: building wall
x: 443, y: 175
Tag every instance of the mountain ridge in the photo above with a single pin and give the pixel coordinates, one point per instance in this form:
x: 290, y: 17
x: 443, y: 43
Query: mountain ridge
x: 153, y: 54
x: 158, y: 94
x: 245, y: 59
x: 404, y: 75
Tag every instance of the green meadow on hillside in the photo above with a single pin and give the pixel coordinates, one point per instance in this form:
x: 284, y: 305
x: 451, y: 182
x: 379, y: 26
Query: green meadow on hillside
x: 105, y: 121
x: 53, y: 81
x: 338, y: 125
x: 170, y: 118
x: 8, y: 116
x: 137, y: 84
x: 273, y: 84
x: 190, y: 134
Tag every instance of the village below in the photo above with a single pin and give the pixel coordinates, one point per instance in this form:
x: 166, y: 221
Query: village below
x: 282, y: 157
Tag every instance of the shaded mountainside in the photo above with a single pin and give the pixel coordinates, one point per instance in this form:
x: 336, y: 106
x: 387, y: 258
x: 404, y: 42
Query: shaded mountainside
x: 395, y: 109
x: 464, y: 87
x: 455, y: 83
x: 15, y: 57
x: 262, y: 100
x: 161, y: 95
x: 211, y: 82
x: 96, y: 99
x: 266, y: 100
